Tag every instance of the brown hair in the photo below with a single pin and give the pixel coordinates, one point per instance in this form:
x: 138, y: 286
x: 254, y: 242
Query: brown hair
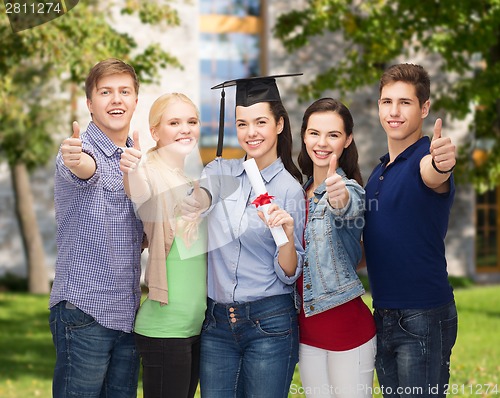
x: 348, y: 161
x: 108, y: 67
x: 284, y: 147
x: 408, y: 73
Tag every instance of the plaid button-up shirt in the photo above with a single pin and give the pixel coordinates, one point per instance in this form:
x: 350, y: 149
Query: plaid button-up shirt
x: 98, y: 238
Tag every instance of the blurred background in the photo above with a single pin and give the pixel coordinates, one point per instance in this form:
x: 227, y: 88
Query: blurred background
x: 341, y: 46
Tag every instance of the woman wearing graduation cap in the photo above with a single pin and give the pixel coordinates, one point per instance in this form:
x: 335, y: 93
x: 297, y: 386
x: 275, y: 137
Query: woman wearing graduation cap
x: 249, y: 343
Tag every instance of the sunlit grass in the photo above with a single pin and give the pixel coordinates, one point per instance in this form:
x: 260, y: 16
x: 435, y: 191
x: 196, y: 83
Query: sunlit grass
x: 27, y: 354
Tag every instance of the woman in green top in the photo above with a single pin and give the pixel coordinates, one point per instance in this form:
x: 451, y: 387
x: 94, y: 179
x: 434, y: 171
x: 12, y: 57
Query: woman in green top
x: 168, y: 323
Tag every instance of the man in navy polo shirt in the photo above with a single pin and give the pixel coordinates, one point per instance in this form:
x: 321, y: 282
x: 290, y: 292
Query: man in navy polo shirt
x: 408, y: 200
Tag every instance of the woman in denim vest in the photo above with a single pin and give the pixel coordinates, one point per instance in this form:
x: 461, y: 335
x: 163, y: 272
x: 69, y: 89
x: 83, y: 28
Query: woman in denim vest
x: 337, y: 331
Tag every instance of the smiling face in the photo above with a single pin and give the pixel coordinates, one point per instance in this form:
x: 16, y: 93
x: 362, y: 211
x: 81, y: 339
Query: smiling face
x: 112, y: 105
x: 257, y: 132
x: 400, y: 113
x: 325, y: 135
x: 179, y: 128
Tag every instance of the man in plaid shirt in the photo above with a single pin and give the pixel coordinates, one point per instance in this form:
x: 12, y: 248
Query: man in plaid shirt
x: 96, y: 290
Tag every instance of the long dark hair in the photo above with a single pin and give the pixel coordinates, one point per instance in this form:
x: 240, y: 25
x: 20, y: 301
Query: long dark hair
x: 285, y: 139
x: 348, y: 161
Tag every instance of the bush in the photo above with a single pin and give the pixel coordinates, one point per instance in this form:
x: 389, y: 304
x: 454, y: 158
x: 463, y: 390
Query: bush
x: 13, y: 283
x: 460, y: 282
x: 455, y: 281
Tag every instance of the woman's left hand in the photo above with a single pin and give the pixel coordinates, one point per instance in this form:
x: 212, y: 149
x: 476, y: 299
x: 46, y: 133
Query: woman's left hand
x: 277, y: 217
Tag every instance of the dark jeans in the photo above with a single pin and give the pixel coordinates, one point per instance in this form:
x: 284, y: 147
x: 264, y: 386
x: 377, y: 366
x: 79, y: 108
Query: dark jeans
x: 171, y: 366
x: 249, y: 349
x: 414, y: 350
x: 91, y: 360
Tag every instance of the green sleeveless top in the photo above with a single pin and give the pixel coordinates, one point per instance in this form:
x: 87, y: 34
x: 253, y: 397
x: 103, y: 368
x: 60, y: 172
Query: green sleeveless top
x: 183, y: 316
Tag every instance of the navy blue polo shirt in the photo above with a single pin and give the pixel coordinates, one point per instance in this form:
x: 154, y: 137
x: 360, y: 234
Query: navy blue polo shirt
x: 405, y: 227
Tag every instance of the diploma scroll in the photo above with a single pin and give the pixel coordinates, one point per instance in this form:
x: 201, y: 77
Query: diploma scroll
x: 263, y: 199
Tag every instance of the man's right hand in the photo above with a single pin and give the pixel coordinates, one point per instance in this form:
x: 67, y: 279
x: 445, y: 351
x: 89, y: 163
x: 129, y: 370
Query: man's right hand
x: 80, y: 163
x: 71, y: 148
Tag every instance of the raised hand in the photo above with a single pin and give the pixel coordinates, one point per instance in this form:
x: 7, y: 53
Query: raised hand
x: 131, y: 157
x: 71, y: 148
x: 335, y: 186
x: 442, y: 150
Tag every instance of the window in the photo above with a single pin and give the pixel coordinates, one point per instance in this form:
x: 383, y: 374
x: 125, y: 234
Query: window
x: 487, y: 235
x: 230, y: 42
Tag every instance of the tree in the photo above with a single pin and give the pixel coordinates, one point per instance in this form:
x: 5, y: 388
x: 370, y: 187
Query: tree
x: 465, y: 34
x: 24, y: 109
x: 35, y: 65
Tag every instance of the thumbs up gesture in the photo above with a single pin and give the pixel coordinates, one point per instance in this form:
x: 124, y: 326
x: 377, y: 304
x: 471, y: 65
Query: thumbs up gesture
x: 336, y: 190
x: 71, y: 148
x: 131, y: 157
x: 442, y: 150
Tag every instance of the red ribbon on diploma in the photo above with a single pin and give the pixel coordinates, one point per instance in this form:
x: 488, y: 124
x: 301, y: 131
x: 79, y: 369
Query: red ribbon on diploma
x: 263, y: 199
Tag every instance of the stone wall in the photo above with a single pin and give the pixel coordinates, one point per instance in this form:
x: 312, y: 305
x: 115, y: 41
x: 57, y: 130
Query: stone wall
x: 12, y: 257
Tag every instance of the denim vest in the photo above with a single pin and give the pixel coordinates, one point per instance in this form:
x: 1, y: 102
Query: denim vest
x: 333, y: 249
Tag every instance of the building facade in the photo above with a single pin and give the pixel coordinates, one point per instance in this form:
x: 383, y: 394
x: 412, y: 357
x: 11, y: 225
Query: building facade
x: 220, y: 40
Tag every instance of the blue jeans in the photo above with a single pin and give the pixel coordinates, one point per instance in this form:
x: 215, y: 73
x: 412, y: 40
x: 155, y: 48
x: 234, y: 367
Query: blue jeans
x: 91, y: 360
x: 249, y: 349
x: 414, y: 350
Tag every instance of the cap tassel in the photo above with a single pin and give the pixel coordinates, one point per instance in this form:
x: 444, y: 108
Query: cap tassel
x: 220, y: 140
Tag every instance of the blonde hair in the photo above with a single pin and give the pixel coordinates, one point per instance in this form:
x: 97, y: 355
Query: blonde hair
x: 173, y: 177
x: 161, y: 104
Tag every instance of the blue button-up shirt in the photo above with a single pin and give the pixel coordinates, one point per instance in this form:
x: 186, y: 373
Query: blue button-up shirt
x: 98, y: 238
x: 243, y: 257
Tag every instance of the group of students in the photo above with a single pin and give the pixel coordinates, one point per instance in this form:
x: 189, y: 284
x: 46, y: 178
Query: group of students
x: 227, y: 307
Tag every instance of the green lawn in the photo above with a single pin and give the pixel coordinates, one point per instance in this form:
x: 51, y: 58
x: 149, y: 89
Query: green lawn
x: 27, y: 355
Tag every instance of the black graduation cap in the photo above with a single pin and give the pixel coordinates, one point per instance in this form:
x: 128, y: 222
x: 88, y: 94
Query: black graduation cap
x: 249, y: 91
